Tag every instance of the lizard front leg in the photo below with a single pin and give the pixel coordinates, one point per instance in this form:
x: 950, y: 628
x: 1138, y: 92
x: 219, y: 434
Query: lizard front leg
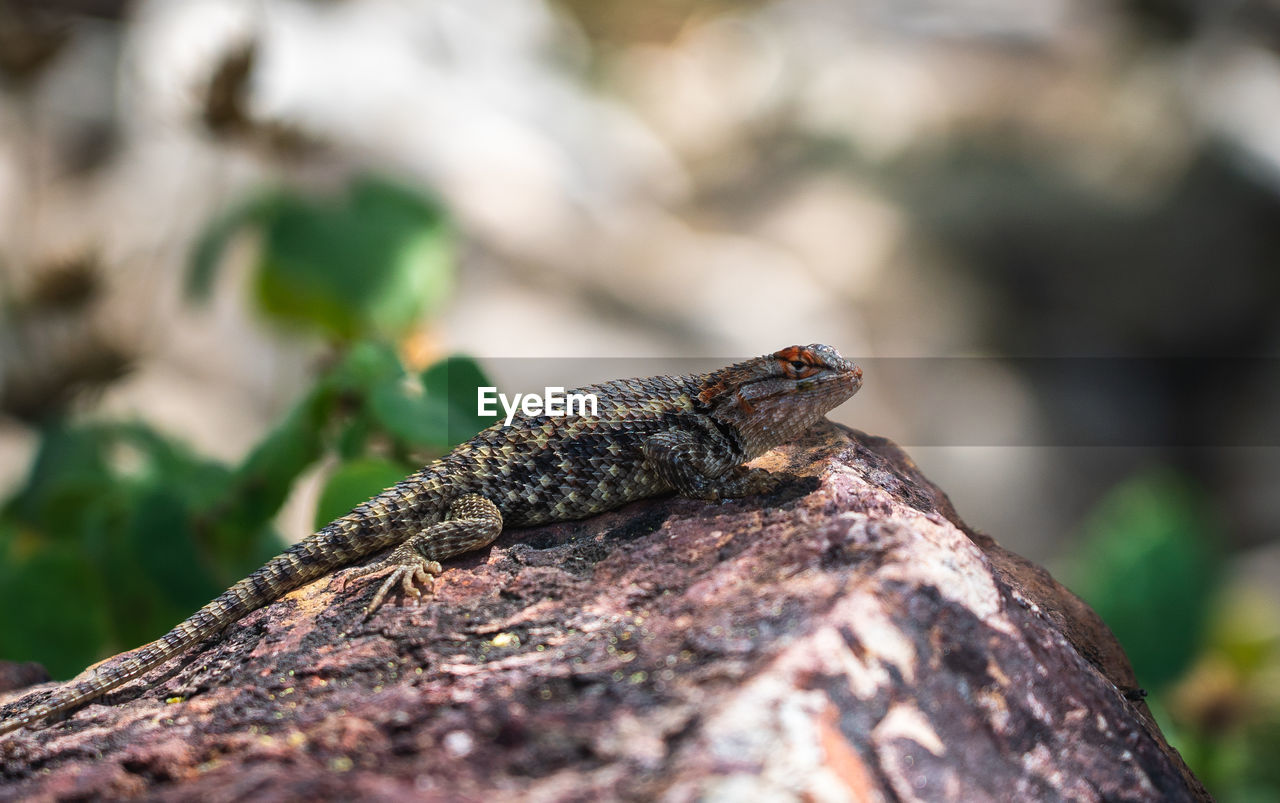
x: 702, y: 471
x: 471, y: 523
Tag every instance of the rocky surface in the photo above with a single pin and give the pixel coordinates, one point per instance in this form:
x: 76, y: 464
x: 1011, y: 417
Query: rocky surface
x: 844, y: 638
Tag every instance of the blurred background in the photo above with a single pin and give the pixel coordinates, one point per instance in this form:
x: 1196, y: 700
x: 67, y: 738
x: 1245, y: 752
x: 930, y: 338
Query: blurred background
x: 255, y: 255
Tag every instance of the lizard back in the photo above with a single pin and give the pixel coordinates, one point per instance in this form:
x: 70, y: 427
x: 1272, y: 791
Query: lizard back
x: 544, y: 468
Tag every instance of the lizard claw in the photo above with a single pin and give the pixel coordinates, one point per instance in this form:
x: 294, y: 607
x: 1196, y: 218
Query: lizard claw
x: 409, y: 571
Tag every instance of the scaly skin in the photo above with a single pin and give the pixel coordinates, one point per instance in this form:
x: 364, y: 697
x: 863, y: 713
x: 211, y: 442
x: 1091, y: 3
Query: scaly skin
x: 689, y: 435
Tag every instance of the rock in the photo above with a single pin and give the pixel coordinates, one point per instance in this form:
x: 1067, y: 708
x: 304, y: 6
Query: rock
x: 15, y: 675
x: 846, y: 637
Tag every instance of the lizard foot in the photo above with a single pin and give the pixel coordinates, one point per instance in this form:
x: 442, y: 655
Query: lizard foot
x: 408, y: 569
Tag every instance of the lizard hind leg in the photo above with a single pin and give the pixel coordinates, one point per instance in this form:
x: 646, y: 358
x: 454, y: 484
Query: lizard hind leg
x: 471, y: 523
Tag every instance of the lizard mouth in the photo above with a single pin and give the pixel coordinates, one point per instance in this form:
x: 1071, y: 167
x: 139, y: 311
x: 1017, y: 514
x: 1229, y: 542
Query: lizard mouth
x: 829, y: 389
x: 853, y: 376
x: 839, y: 370
x: 847, y: 377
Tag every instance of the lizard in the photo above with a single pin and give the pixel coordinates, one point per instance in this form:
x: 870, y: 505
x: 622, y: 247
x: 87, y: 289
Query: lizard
x: 689, y: 435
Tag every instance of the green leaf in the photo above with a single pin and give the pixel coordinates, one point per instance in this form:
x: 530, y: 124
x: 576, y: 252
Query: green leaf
x: 353, y: 483
x: 372, y: 262
x: 206, y: 256
x: 353, y: 438
x: 411, y: 416
x: 455, y: 380
x: 262, y: 483
x: 163, y: 544
x: 69, y: 472
x: 418, y: 282
x: 435, y: 410
x: 1147, y: 567
x: 64, y: 631
x: 364, y: 365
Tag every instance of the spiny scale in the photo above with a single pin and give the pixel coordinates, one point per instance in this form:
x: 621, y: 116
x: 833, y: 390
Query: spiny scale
x: 651, y: 436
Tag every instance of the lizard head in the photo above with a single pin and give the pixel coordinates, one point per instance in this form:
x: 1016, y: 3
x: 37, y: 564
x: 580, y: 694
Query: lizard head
x: 773, y: 399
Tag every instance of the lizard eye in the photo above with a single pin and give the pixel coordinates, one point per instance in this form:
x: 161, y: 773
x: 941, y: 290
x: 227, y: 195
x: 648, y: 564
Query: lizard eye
x: 799, y: 365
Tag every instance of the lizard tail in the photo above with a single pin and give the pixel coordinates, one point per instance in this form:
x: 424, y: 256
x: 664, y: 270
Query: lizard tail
x: 301, y: 563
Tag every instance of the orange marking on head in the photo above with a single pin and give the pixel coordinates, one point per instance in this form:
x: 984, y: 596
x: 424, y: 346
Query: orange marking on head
x: 795, y: 353
x: 809, y: 363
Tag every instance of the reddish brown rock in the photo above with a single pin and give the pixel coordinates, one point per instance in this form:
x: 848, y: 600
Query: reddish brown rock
x: 845, y: 638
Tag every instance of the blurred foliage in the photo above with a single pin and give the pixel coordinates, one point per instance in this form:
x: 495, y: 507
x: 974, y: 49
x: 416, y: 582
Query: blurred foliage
x: 371, y: 262
x: 145, y: 531
x: 1207, y: 651
x: 1147, y: 568
x: 1224, y: 713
